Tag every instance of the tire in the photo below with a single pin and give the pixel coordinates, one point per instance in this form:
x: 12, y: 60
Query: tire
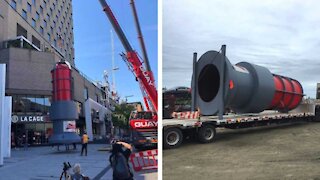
x: 317, y: 113
x: 207, y: 133
x: 172, y: 138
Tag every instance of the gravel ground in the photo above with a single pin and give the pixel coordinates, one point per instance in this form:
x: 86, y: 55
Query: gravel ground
x: 274, y: 152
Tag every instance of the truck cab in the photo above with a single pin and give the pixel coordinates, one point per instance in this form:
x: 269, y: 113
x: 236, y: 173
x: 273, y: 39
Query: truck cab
x: 144, y: 129
x: 176, y: 100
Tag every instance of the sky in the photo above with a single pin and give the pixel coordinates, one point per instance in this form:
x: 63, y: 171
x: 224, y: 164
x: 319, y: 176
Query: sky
x: 283, y: 36
x: 92, y: 41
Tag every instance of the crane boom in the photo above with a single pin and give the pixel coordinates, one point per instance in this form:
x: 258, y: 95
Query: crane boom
x: 140, y: 37
x: 116, y: 26
x: 145, y: 77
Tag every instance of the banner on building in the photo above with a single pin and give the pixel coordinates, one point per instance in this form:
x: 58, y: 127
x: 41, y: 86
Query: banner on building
x: 69, y: 126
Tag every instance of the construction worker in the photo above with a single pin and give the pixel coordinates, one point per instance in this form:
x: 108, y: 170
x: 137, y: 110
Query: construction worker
x: 85, y: 140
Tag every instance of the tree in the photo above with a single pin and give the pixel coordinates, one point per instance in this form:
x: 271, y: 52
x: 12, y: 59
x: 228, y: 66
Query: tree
x: 121, y: 114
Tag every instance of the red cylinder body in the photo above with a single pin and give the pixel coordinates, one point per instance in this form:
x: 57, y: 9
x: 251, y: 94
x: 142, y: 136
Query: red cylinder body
x: 61, y: 82
x: 288, y: 93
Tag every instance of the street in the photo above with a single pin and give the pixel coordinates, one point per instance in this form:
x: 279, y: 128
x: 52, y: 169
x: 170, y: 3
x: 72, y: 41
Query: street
x: 42, y: 163
x: 276, y: 152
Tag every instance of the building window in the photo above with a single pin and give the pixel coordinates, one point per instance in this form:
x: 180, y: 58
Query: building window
x: 48, y: 17
x: 51, y: 11
x: 59, y: 13
x: 37, y: 16
x: 29, y: 7
x: 45, y: 4
x: 97, y: 97
x: 34, y: 2
x: 45, y: 23
x: 54, y: 24
x: 85, y: 93
x: 35, y: 42
x: 49, y: 37
x: 33, y: 23
x: 51, y: 30
x: 13, y: 4
x: 41, y: 9
x: 21, y: 31
x: 41, y: 30
x: 54, y: 6
x: 55, y: 43
x: 30, y: 104
x: 24, y: 14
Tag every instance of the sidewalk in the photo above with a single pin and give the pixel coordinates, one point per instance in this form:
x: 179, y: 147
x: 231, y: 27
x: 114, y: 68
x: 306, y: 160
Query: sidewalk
x: 42, y: 163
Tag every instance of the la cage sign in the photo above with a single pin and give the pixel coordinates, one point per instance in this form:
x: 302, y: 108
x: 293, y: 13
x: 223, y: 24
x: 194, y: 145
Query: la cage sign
x: 25, y: 119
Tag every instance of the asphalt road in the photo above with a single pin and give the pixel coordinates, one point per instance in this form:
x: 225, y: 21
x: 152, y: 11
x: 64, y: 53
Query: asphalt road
x: 45, y: 163
x: 276, y: 152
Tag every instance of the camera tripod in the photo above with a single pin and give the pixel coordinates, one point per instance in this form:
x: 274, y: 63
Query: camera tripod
x: 65, y: 174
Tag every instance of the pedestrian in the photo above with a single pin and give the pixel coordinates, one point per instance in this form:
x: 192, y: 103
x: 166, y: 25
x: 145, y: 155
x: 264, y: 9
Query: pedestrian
x: 119, y: 160
x: 77, y: 173
x: 25, y: 141
x: 74, y: 146
x: 85, y: 140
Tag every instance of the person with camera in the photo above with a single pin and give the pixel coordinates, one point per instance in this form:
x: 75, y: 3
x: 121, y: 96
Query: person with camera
x: 77, y: 173
x: 119, y: 160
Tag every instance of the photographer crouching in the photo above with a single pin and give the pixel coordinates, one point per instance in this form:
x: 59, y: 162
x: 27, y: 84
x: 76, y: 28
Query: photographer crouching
x: 76, y: 172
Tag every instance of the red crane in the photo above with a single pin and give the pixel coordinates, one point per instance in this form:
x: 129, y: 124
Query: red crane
x: 143, y: 124
x: 143, y: 75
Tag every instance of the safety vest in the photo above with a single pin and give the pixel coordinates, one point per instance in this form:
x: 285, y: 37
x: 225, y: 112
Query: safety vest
x: 85, y: 138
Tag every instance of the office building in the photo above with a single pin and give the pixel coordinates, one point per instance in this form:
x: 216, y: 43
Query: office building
x: 34, y: 35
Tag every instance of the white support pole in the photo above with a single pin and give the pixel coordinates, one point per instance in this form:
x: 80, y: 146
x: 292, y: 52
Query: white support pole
x: 7, y: 126
x: 87, y: 112
x: 102, y: 122
x: 2, y: 116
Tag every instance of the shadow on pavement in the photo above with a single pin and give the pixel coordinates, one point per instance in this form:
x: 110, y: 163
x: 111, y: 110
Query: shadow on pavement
x: 64, y: 152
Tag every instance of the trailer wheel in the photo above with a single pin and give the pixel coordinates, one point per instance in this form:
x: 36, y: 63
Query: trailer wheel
x: 207, y: 133
x: 317, y: 113
x: 172, y: 138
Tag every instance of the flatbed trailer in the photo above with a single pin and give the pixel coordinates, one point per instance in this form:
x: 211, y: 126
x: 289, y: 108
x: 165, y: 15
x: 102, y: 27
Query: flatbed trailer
x: 254, y: 95
x: 203, y: 128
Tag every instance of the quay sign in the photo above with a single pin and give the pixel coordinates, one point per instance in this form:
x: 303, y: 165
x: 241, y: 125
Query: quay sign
x: 29, y: 119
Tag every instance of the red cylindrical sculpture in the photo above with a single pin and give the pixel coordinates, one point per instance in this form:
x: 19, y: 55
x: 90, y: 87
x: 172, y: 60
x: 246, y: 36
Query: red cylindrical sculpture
x: 242, y: 88
x: 61, y: 77
x: 288, y: 93
x: 63, y: 110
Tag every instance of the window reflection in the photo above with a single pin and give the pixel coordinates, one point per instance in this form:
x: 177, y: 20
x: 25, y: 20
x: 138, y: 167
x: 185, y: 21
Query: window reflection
x: 30, y: 104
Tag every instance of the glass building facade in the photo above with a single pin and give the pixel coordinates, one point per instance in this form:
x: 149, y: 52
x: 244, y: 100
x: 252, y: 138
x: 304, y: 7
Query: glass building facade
x: 31, y: 118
